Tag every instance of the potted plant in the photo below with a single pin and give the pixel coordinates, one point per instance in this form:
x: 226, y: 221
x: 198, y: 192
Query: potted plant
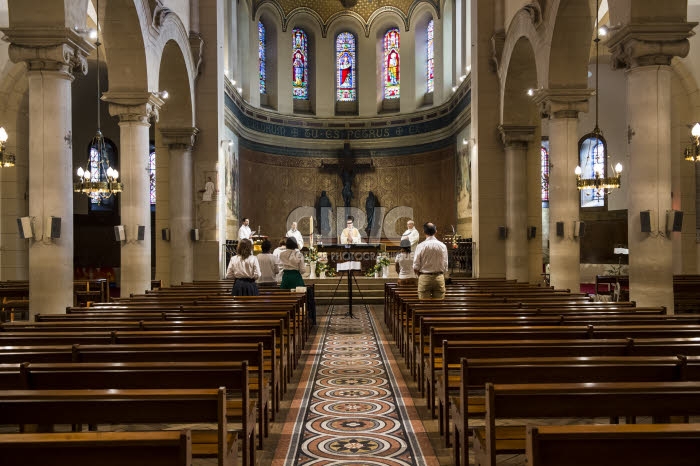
x: 311, y: 259
x: 383, y: 262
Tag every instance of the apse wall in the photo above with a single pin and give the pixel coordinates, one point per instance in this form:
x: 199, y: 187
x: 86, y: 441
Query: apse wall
x: 275, y: 185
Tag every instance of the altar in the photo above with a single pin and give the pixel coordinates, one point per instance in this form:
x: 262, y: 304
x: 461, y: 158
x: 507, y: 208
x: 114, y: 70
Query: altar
x: 366, y: 254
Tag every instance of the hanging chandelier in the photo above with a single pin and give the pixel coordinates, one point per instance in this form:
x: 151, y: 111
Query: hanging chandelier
x: 98, y: 180
x: 692, y: 151
x: 595, y: 178
x: 6, y: 159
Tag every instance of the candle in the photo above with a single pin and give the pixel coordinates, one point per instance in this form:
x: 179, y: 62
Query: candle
x: 311, y: 231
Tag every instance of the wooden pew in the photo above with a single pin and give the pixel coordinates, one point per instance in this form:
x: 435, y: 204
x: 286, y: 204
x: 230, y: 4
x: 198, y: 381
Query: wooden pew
x: 613, y: 445
x: 574, y: 400
x: 240, y: 408
x: 168, y: 448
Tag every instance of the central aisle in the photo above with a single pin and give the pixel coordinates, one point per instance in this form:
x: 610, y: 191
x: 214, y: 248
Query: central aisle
x: 352, y: 406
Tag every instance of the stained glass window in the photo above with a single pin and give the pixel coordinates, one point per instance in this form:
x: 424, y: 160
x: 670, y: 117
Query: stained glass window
x: 592, y: 160
x: 544, y: 152
x: 300, y: 65
x: 345, y: 67
x: 430, y: 53
x: 261, y: 55
x: 391, y: 64
x: 152, y: 174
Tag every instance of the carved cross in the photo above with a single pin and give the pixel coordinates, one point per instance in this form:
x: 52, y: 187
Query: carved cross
x: 348, y: 167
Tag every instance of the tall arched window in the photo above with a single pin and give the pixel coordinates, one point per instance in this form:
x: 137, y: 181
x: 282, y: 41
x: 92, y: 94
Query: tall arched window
x: 261, y: 55
x: 345, y: 67
x: 592, y: 159
x: 300, y: 65
x: 152, y: 173
x: 430, y: 57
x: 392, y: 65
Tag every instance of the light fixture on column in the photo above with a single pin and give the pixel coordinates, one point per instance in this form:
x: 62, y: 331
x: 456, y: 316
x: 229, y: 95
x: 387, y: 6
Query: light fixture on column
x: 6, y: 159
x: 692, y: 151
x: 98, y: 180
x: 595, y: 178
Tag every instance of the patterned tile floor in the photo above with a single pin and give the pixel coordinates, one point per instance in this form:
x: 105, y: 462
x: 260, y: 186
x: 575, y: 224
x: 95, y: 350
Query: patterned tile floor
x: 354, y: 407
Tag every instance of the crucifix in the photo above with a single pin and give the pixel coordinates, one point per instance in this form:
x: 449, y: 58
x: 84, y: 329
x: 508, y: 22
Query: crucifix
x: 348, y: 168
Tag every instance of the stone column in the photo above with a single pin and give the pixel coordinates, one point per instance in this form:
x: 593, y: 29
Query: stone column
x: 563, y: 107
x: 646, y: 52
x: 134, y: 110
x: 180, y: 202
x: 516, y: 140
x: 51, y: 61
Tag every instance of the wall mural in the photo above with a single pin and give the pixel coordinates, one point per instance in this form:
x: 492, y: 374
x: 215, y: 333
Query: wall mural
x: 464, y: 189
x: 231, y: 180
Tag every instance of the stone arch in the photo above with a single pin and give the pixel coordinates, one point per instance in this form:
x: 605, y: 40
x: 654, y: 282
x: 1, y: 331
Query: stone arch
x: 125, y: 27
x: 172, y: 50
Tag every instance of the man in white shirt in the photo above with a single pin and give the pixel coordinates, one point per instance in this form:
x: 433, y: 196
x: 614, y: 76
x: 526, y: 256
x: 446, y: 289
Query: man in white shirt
x: 296, y: 234
x: 350, y: 234
x: 411, y: 234
x: 430, y: 264
x: 244, y: 232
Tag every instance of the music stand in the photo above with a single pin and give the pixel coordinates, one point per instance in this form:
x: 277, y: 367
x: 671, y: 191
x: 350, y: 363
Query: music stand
x: 347, y: 267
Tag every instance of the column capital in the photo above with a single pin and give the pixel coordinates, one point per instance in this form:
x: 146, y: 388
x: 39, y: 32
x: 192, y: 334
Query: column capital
x: 563, y: 103
x: 133, y: 106
x: 636, y: 45
x: 179, y: 138
x: 50, y: 49
x: 516, y: 136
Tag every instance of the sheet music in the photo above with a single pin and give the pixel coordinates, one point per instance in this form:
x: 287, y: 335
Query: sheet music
x: 349, y: 265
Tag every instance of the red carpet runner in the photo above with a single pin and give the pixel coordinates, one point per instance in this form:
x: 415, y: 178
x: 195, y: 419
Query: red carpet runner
x: 354, y: 408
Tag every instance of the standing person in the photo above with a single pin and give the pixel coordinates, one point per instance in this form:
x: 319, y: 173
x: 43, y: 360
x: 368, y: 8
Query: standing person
x: 350, y: 234
x: 296, y: 234
x: 244, y: 231
x: 245, y: 269
x: 404, y: 265
x: 411, y: 234
x: 292, y: 262
x: 278, y: 250
x: 430, y: 264
x: 269, y: 265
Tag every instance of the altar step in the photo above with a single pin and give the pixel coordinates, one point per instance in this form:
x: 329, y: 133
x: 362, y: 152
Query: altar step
x: 371, y: 290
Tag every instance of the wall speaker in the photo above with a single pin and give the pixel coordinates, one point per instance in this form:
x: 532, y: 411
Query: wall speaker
x: 645, y: 219
x: 119, y: 233
x: 531, y: 232
x: 24, y: 227
x: 165, y: 234
x: 674, y: 220
x: 52, y: 227
x: 194, y: 234
x: 560, y: 228
x: 141, y: 233
x: 579, y: 229
x: 502, y: 232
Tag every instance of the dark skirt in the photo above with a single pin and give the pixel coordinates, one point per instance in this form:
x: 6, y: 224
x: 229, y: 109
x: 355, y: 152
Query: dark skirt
x: 245, y: 287
x: 291, y: 279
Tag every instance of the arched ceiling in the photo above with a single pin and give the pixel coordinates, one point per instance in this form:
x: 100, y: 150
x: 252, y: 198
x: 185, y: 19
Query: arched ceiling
x: 327, y: 8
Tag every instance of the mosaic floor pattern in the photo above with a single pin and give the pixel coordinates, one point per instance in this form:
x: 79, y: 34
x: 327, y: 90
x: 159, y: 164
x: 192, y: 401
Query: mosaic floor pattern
x: 354, y: 409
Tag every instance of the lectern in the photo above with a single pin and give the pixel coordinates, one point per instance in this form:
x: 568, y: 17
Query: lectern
x: 349, y: 267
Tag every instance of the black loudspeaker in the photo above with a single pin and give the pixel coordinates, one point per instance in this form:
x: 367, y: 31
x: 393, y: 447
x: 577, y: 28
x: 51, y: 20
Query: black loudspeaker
x: 645, y: 219
x: 141, y: 233
x: 24, y: 227
x: 52, y: 228
x: 531, y: 232
x: 502, y: 232
x: 674, y: 220
x: 194, y: 234
x: 165, y: 234
x: 579, y: 229
x: 119, y: 233
x: 560, y: 228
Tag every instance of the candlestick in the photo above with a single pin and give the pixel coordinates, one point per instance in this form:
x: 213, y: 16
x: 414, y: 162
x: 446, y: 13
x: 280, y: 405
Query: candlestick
x: 311, y: 231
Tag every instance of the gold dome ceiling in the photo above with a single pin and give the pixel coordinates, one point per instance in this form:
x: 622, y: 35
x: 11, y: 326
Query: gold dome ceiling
x: 328, y: 8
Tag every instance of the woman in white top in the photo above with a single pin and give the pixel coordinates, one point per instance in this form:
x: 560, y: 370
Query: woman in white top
x: 292, y: 262
x: 245, y: 269
x: 269, y: 265
x: 404, y: 264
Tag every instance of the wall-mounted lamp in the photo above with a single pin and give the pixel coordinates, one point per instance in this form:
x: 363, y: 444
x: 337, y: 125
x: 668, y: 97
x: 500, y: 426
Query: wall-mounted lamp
x: 90, y: 32
x: 162, y: 94
x: 692, y: 151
